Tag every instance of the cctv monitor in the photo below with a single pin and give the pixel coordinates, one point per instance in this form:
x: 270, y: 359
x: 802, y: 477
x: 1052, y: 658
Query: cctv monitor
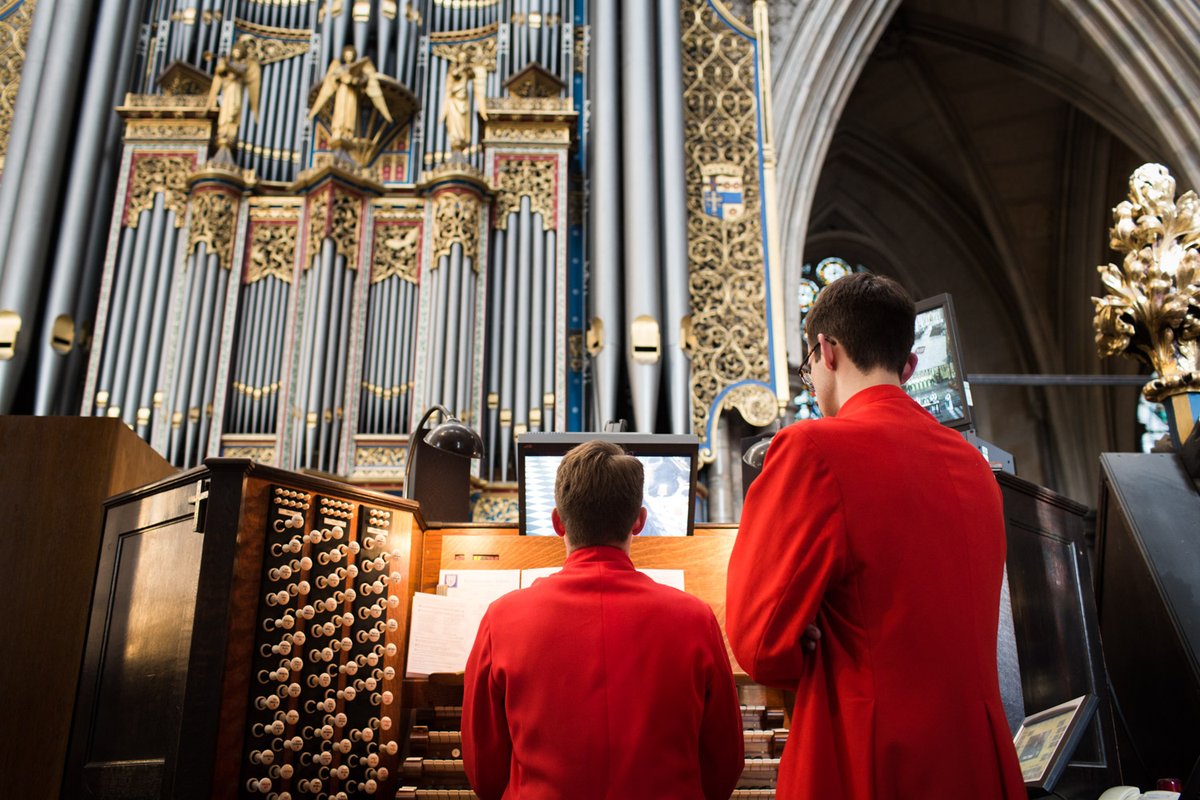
x: 669, y: 461
x: 938, y: 383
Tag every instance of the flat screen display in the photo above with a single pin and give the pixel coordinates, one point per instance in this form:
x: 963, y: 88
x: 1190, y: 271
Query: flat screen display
x: 937, y: 384
x: 669, y: 463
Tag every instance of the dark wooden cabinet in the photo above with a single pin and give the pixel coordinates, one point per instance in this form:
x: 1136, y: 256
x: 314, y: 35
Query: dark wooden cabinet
x: 1055, y: 623
x: 1148, y: 593
x: 246, y: 638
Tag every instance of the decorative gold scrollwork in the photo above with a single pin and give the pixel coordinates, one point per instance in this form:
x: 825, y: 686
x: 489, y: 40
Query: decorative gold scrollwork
x: 479, y: 44
x: 214, y: 219
x: 347, y: 213
x: 159, y: 172
x: 1152, y: 310
x: 318, y: 224
x: 335, y: 213
x: 456, y: 221
x: 755, y: 402
x: 14, y: 35
x: 535, y: 177
x: 397, y: 251
x: 727, y: 279
x: 263, y: 455
x: 381, y: 457
x: 272, y: 251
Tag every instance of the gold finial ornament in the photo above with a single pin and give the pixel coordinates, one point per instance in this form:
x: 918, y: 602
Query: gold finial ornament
x: 1152, y: 310
x: 236, y: 75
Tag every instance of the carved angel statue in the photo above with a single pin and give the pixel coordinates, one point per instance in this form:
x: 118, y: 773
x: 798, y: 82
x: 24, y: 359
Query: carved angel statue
x: 344, y: 81
x: 237, y: 76
x: 456, y: 104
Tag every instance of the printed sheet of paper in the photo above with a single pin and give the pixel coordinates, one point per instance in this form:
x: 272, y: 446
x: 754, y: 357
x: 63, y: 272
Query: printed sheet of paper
x: 528, y: 576
x: 667, y: 577
x: 442, y: 632
x: 484, y: 585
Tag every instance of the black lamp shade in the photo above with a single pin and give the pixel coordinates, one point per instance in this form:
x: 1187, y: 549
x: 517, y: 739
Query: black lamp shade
x: 454, y: 437
x: 756, y: 452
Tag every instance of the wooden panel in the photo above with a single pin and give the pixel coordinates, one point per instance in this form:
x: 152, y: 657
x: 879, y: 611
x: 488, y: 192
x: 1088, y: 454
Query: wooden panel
x: 703, y: 559
x: 57, y: 472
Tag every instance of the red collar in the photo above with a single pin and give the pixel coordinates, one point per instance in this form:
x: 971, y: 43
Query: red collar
x: 872, y: 394
x: 599, y: 554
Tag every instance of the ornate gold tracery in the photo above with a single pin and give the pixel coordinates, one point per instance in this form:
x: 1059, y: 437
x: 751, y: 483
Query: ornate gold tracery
x: 154, y: 173
x: 456, y: 221
x: 397, y: 243
x: 14, y: 35
x: 272, y: 251
x: 336, y: 213
x: 727, y: 279
x: 535, y: 177
x: 214, y: 220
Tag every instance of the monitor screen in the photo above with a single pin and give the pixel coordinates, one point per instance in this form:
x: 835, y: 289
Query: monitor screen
x: 938, y: 381
x: 669, y: 463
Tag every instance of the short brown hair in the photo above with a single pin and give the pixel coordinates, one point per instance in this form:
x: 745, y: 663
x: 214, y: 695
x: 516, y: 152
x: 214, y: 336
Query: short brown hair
x: 598, y: 492
x: 869, y: 315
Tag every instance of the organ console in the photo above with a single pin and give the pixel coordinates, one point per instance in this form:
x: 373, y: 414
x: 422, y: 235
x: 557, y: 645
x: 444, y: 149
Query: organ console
x: 248, y: 638
x: 249, y: 630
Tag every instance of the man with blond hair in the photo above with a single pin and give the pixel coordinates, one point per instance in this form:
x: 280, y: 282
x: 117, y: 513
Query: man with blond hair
x: 597, y: 682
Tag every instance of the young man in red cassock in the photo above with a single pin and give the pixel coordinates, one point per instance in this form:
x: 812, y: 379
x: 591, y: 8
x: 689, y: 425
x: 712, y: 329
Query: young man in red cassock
x: 866, y: 576
x: 597, y: 682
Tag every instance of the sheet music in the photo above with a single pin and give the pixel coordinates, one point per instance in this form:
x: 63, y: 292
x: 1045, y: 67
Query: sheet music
x: 484, y: 585
x: 442, y: 632
x: 528, y: 576
x: 667, y: 577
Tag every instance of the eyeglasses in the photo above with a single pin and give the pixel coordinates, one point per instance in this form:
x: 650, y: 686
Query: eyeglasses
x: 806, y: 369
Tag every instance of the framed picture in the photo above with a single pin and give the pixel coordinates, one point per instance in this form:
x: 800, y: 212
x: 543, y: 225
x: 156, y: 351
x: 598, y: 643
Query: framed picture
x: 938, y: 383
x: 1047, y: 739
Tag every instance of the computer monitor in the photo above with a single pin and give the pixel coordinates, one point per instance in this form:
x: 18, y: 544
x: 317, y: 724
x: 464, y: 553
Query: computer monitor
x: 938, y: 383
x: 670, y: 463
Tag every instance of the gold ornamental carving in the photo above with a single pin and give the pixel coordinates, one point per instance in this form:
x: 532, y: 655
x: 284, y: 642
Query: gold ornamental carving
x: 535, y: 177
x: 160, y: 131
x: 380, y: 457
x: 456, y: 221
x: 272, y: 251
x: 470, y: 62
x: 730, y: 337
x: 214, y: 219
x: 263, y: 455
x: 335, y: 213
x: 397, y: 251
x: 1152, y: 310
x: 528, y: 133
x: 237, y: 75
x: 298, y: 39
x: 153, y: 174
x: 756, y: 404
x: 182, y: 79
x: 14, y: 36
x: 352, y: 84
x: 497, y: 507
x: 482, y: 40
x: 347, y: 212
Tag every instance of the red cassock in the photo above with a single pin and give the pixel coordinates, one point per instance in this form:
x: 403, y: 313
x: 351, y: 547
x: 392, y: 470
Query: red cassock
x: 885, y: 529
x: 597, y: 682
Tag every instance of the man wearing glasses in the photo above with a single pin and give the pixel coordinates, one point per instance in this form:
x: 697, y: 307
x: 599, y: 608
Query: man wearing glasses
x: 884, y: 530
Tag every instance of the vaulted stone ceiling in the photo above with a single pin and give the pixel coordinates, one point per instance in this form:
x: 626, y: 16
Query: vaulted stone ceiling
x: 977, y: 148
